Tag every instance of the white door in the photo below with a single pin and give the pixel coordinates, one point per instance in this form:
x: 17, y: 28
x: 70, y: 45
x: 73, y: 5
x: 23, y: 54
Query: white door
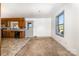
x: 29, y: 28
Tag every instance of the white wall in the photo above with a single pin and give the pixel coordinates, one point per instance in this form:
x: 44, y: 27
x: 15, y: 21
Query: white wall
x: 41, y: 26
x: 71, y: 27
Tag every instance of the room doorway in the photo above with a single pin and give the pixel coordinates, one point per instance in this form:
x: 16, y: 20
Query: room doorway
x: 29, y: 28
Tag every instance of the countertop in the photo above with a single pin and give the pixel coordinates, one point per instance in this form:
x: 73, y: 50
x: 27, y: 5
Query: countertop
x: 12, y: 29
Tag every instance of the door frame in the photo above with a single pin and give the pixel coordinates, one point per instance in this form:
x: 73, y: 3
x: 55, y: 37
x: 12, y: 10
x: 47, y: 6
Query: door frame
x: 27, y: 21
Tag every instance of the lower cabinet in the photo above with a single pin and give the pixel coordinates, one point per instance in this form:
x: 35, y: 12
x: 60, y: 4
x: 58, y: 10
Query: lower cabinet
x: 12, y: 34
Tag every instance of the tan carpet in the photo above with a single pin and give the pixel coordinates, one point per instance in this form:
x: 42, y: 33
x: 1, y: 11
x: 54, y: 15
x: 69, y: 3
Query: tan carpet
x: 43, y: 47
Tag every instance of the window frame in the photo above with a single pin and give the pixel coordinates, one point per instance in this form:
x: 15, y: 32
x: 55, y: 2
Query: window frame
x: 57, y: 23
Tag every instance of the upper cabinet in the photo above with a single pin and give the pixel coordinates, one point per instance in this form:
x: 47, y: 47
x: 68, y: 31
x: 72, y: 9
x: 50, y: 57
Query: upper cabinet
x: 22, y: 23
x: 13, y: 23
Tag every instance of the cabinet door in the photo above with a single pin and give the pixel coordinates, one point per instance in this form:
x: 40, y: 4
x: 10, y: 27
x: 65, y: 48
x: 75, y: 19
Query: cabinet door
x: 22, y: 23
x: 22, y: 34
x: 11, y: 34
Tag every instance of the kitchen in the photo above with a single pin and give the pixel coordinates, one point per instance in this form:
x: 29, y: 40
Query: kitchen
x: 12, y: 28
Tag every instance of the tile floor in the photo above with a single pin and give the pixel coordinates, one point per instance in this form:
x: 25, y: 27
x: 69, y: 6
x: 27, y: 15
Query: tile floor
x: 10, y: 47
x: 44, y: 46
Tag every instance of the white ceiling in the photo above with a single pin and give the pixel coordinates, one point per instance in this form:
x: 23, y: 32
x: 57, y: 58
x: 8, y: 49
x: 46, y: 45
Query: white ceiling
x: 34, y: 10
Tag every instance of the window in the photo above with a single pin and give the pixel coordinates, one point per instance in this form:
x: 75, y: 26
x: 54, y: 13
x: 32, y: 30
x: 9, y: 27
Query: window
x: 29, y: 25
x: 14, y: 25
x: 60, y: 24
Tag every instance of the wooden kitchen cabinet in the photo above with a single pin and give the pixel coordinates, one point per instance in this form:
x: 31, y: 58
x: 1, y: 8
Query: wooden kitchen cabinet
x: 22, y: 23
x: 22, y: 34
x: 11, y: 34
x: 7, y: 33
